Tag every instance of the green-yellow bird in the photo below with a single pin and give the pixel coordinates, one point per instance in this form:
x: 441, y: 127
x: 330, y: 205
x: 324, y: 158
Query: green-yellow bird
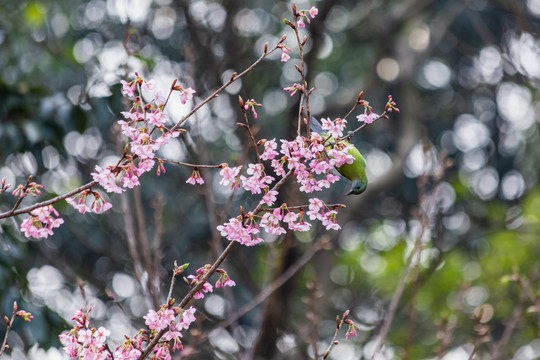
x: 355, y: 172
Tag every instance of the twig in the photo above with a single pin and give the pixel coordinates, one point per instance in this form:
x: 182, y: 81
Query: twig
x: 9, y: 323
x: 333, y: 343
x: 302, y: 65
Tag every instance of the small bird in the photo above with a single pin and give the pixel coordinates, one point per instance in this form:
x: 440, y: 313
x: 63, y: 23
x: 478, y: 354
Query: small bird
x: 355, y: 172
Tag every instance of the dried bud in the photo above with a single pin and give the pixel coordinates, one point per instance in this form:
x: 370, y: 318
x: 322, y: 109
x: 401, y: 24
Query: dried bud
x: 282, y: 39
x: 234, y: 75
x: 304, y: 40
x: 360, y: 96
x: 261, y: 142
x: 294, y: 8
x: 15, y: 307
x: 6, y: 319
x: 220, y: 271
x: 346, y: 313
x: 266, y: 47
x: 173, y: 84
x: 223, y: 165
x: 241, y: 124
x: 186, y: 281
x: 337, y: 321
x: 241, y: 101
x: 297, y: 68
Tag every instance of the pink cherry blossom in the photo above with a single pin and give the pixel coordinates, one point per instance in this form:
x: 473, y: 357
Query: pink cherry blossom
x: 41, y: 222
x: 294, y: 88
x: 106, y: 179
x: 230, y: 176
x: 186, y: 94
x: 195, y: 178
x: 313, y: 12
x: 269, y: 150
x: 159, y: 320
x: 128, y: 89
x: 234, y: 230
x: 367, y: 118
x: 269, y: 198
x: 284, y: 56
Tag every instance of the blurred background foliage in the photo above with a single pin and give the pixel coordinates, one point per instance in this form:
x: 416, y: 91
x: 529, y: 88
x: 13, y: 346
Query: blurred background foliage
x: 465, y: 75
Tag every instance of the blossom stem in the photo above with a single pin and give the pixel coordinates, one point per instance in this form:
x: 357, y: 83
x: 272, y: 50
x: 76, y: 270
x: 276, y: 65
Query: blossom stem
x: 251, y: 136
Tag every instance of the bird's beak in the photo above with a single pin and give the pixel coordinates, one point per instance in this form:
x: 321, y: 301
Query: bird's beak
x: 349, y: 193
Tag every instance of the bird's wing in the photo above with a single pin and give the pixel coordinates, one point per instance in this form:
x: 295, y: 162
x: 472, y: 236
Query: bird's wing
x: 315, y: 125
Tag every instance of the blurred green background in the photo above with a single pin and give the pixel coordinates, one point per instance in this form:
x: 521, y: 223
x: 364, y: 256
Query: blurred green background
x: 465, y: 74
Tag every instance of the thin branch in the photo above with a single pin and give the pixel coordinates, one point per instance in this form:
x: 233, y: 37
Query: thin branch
x: 192, y: 165
x: 271, y: 288
x: 48, y: 202
x: 233, y: 78
x: 246, y: 125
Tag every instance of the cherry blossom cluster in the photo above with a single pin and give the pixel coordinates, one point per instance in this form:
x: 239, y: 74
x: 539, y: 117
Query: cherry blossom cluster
x: 84, y: 342
x: 351, y: 330
x: 251, y: 103
x: 303, y: 14
x: 145, y: 127
x: 285, y: 50
x: 21, y: 191
x: 163, y: 319
x: 194, y: 280
x: 369, y: 116
x: 294, y: 88
x: 89, y: 200
x: 41, y: 222
x: 245, y: 229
